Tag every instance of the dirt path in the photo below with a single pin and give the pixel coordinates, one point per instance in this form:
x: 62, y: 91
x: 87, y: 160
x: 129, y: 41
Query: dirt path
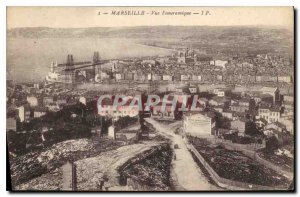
x: 91, y: 170
x: 188, y: 174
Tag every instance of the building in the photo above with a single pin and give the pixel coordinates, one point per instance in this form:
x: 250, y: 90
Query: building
x: 288, y: 98
x: 196, y: 77
x: 203, y: 102
x: 11, y: 124
x: 32, y: 100
x: 107, y: 109
x: 285, y: 79
x: 239, y: 108
x: 261, y: 122
x: 126, y: 135
x: 239, y: 125
x: 184, y: 77
x: 220, y: 63
x: 188, y: 89
x: 218, y: 108
x: 283, y: 138
x: 163, y: 111
x: 228, y: 114
x: 96, y: 131
x: 36, y: 86
x: 118, y: 77
x: 221, y: 92
x: 61, y: 101
x: 270, y: 114
x: 244, y: 105
x: 219, y: 101
x: 39, y: 111
x: 111, y: 132
x: 277, y: 126
x: 167, y: 78
x: 288, y: 102
x: 222, y: 132
x: 54, y: 107
x: 149, y: 61
x: 273, y: 91
x: 185, y: 57
x: 82, y: 100
x: 23, y: 113
x: 47, y: 100
x: 289, y: 125
x: 197, y: 124
x: 192, y: 89
x: 259, y: 97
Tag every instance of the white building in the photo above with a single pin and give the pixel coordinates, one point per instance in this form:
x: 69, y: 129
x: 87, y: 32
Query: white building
x: 36, y: 86
x: 82, y: 100
x: 219, y: 92
x: 149, y: 76
x: 196, y: 77
x: 39, y: 111
x: 118, y: 76
x: 23, y: 113
x: 111, y: 132
x: 220, y: 63
x: 167, y: 78
x: 196, y: 124
x: 32, y: 100
x: 286, y: 79
x: 269, y: 114
x: 184, y: 77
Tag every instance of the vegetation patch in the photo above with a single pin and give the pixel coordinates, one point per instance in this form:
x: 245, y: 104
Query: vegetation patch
x: 236, y: 166
x: 150, y: 169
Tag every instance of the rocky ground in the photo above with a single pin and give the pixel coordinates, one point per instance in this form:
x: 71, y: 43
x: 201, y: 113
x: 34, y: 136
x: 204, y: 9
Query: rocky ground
x: 26, y: 168
x: 92, y: 170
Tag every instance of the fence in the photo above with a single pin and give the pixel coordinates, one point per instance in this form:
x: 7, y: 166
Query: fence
x: 230, y: 183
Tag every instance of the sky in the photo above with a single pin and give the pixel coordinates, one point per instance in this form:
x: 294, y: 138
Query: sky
x: 80, y: 17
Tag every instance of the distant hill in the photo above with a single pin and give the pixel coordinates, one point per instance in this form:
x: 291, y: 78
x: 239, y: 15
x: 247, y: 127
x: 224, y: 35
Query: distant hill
x: 143, y: 31
x: 211, y: 39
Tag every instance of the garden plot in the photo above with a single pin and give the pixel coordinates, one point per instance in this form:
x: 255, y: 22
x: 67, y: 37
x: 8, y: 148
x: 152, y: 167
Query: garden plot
x: 152, y: 171
x: 236, y: 166
x: 281, y: 158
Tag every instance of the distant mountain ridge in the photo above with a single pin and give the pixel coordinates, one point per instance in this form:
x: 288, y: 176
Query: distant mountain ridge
x: 142, y: 31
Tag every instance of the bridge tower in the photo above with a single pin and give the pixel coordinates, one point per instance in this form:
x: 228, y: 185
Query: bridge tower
x: 96, y: 63
x: 69, y: 71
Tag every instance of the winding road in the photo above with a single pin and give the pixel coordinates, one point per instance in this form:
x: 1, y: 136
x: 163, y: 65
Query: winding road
x: 189, y: 176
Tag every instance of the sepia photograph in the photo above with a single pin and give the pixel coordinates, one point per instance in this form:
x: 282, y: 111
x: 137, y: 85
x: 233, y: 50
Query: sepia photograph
x: 105, y: 99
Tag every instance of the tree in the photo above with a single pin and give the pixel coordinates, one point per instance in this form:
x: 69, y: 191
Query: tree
x: 222, y: 122
x: 251, y: 129
x: 271, y: 145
